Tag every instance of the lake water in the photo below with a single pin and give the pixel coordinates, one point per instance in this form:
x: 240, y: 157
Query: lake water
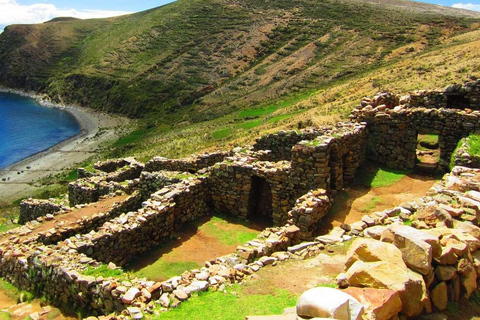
x: 27, y: 128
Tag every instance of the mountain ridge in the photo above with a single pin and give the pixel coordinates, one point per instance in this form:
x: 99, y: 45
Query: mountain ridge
x: 196, y: 60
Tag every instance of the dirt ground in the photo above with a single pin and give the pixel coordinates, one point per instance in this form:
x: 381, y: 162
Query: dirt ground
x: 193, y: 244
x: 353, y: 203
x: 308, y: 274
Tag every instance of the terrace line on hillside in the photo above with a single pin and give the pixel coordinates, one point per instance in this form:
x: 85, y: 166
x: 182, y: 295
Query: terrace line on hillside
x: 267, y: 180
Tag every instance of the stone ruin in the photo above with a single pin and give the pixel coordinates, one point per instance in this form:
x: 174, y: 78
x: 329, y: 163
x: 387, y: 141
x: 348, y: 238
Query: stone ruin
x: 289, y: 178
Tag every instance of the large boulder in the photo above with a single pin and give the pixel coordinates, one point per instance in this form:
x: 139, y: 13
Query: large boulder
x: 379, y: 304
x: 417, y: 247
x: 387, y: 275
x: 324, y: 302
x: 369, y: 250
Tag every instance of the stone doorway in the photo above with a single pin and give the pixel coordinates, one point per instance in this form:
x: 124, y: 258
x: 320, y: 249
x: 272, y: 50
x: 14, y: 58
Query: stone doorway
x: 427, y: 153
x: 260, y: 201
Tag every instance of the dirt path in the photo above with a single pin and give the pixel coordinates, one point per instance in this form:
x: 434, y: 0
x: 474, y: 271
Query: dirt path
x: 72, y: 217
x: 353, y: 203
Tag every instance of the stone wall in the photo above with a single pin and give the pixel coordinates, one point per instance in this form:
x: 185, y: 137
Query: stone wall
x: 191, y: 165
x: 392, y: 133
x: 281, y: 143
x: 236, y: 183
x: 122, y: 239
x: 31, y: 209
x: 150, y: 182
x: 86, y: 224
x: 329, y: 161
x: 110, y: 176
x: 309, y: 211
x: 90, y: 189
x: 457, y: 96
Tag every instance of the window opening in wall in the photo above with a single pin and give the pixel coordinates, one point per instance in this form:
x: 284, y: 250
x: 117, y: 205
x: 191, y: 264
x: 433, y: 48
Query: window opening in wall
x: 428, y: 153
x: 260, y: 201
x: 458, y: 102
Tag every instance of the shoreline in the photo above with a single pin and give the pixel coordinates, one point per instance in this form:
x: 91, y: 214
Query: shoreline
x: 96, y: 129
x: 86, y: 125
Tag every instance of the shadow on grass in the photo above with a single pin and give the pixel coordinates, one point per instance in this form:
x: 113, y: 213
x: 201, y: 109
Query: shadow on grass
x: 169, y: 259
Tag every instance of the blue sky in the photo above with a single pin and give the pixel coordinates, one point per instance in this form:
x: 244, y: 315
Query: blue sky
x: 36, y: 11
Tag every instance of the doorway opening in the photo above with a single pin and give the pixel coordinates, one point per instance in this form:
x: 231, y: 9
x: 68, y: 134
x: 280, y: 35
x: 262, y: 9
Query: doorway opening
x: 260, y: 207
x: 428, y: 153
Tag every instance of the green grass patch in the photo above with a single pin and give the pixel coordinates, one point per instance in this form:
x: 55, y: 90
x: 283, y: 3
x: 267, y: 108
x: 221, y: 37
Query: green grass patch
x: 162, y: 269
x: 130, y: 138
x: 8, y: 226
x: 5, y: 315
x: 235, y: 304
x: 103, y: 271
x: 371, y: 205
x: 72, y: 175
x: 250, y: 124
x: 220, y: 228
x: 221, y: 134
x: 257, y: 112
x: 381, y: 177
x: 473, y: 142
x: 427, y: 141
x: 279, y: 118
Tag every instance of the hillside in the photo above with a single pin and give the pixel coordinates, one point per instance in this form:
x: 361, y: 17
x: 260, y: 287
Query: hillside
x: 196, y: 60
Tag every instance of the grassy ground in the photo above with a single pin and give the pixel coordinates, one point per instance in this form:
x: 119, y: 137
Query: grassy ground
x: 473, y: 141
x: 197, y: 242
x: 427, y: 141
x: 234, y: 304
x: 220, y: 228
x: 380, y: 177
x: 372, y: 205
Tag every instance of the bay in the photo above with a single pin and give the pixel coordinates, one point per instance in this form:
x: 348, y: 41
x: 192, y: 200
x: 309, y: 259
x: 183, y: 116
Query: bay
x: 27, y: 128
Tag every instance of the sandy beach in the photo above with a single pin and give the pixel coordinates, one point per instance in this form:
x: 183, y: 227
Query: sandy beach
x: 97, y: 129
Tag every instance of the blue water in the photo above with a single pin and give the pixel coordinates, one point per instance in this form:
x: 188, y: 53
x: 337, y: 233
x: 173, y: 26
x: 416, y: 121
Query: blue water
x: 27, y: 128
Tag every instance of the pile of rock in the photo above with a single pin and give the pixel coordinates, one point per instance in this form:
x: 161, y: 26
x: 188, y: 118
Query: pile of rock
x: 462, y: 156
x: 426, y: 269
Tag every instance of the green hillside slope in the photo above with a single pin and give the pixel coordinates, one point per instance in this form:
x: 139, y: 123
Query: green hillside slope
x: 195, y: 60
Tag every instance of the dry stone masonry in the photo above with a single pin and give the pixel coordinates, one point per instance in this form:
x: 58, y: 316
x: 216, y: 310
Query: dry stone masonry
x: 394, y: 122
x: 290, y: 179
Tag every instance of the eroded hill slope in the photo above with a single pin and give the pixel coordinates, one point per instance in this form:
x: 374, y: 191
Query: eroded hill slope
x: 195, y: 60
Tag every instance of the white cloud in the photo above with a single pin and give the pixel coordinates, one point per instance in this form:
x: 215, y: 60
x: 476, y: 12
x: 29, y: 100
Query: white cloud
x: 468, y: 6
x: 11, y: 12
